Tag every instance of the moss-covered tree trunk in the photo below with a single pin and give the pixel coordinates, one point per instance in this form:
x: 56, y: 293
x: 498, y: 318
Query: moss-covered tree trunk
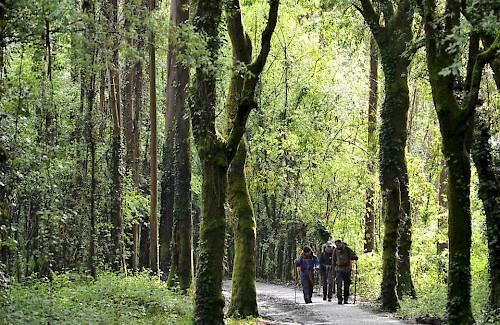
x: 392, y: 141
x: 489, y: 192
x: 455, y: 116
x: 392, y: 40
x: 209, y: 301
x: 217, y: 153
x: 405, y: 283
x: 244, y: 294
x: 372, y: 147
x: 459, y: 227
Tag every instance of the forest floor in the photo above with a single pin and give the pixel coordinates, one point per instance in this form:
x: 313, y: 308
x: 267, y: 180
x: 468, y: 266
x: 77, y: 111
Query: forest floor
x: 279, y: 304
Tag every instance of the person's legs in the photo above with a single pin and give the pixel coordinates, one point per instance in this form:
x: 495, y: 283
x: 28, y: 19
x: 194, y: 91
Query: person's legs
x: 330, y: 285
x: 324, y: 283
x: 338, y: 280
x: 305, y: 287
x: 347, y: 283
x: 311, y: 288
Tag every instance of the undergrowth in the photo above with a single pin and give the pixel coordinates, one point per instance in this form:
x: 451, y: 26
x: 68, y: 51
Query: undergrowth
x: 111, y: 299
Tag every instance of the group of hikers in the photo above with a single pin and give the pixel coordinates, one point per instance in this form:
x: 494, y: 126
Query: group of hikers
x: 335, y: 262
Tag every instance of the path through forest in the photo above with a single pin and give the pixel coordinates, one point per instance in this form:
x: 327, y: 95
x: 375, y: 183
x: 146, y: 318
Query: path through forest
x: 277, y: 306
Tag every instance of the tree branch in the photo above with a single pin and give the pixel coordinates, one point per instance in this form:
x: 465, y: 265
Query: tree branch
x: 370, y: 16
x: 258, y: 64
x: 475, y: 81
x: 239, y: 39
x: 247, y: 100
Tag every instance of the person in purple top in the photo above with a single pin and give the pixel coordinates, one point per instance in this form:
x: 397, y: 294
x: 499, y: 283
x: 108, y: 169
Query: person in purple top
x: 305, y: 264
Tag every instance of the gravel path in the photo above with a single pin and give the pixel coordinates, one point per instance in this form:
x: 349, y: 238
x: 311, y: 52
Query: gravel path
x: 277, y: 306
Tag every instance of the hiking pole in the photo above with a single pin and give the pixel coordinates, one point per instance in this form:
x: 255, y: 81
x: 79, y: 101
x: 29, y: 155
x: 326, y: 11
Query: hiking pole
x: 355, y: 280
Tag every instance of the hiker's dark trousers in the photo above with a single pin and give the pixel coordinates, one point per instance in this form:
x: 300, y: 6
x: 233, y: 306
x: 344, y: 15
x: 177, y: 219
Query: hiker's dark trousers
x: 343, y: 279
x: 327, y: 282
x: 307, y: 288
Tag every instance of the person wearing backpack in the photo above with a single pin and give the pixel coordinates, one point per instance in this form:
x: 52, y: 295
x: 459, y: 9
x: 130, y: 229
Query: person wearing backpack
x: 342, y: 260
x: 305, y: 267
x: 325, y: 270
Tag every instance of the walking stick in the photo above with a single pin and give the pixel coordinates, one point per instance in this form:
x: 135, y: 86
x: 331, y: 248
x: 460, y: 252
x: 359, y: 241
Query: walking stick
x: 355, y: 281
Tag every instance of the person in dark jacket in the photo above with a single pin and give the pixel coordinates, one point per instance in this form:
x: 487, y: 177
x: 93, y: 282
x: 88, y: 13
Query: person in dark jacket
x: 342, y: 260
x: 305, y: 266
x: 326, y: 271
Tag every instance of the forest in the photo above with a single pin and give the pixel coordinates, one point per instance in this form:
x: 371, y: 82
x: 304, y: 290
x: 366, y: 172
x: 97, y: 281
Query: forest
x: 161, y: 162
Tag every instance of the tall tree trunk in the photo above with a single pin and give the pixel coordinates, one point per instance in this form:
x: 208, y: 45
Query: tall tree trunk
x: 118, y: 253
x: 393, y: 167
x: 392, y: 40
x: 243, y: 294
x: 4, y: 207
x: 132, y: 104
x: 372, y: 147
x: 182, y: 263
x: 489, y: 192
x: 216, y: 154
x: 176, y: 224
x: 153, y: 224
x: 459, y: 228
x: 456, y: 123
x: 178, y: 79
x: 89, y: 91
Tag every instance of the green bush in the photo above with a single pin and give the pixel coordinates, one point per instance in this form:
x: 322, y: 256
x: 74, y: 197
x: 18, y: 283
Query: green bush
x: 111, y: 299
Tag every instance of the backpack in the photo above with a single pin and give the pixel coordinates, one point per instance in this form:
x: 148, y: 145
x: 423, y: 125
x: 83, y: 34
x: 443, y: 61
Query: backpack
x: 343, y: 257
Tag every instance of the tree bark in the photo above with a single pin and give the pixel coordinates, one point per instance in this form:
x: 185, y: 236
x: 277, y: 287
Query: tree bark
x: 132, y: 105
x: 4, y: 207
x: 181, y: 257
x: 456, y: 123
x: 89, y: 91
x: 489, y: 192
x: 216, y: 154
x: 393, y: 39
x: 393, y: 167
x: 243, y: 294
x: 118, y: 253
x: 153, y: 223
x: 372, y: 147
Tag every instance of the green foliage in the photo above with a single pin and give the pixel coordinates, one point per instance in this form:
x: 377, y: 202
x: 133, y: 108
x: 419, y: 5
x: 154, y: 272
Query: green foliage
x: 111, y: 299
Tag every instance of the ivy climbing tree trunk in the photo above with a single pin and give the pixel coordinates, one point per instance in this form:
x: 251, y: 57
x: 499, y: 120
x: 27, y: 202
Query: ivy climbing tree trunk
x: 393, y: 39
x: 372, y: 147
x: 217, y: 153
x: 489, y: 192
x: 456, y: 123
x: 118, y: 253
x: 243, y: 292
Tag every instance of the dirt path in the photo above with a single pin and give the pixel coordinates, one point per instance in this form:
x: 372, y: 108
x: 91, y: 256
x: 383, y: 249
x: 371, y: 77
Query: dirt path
x: 277, y: 306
